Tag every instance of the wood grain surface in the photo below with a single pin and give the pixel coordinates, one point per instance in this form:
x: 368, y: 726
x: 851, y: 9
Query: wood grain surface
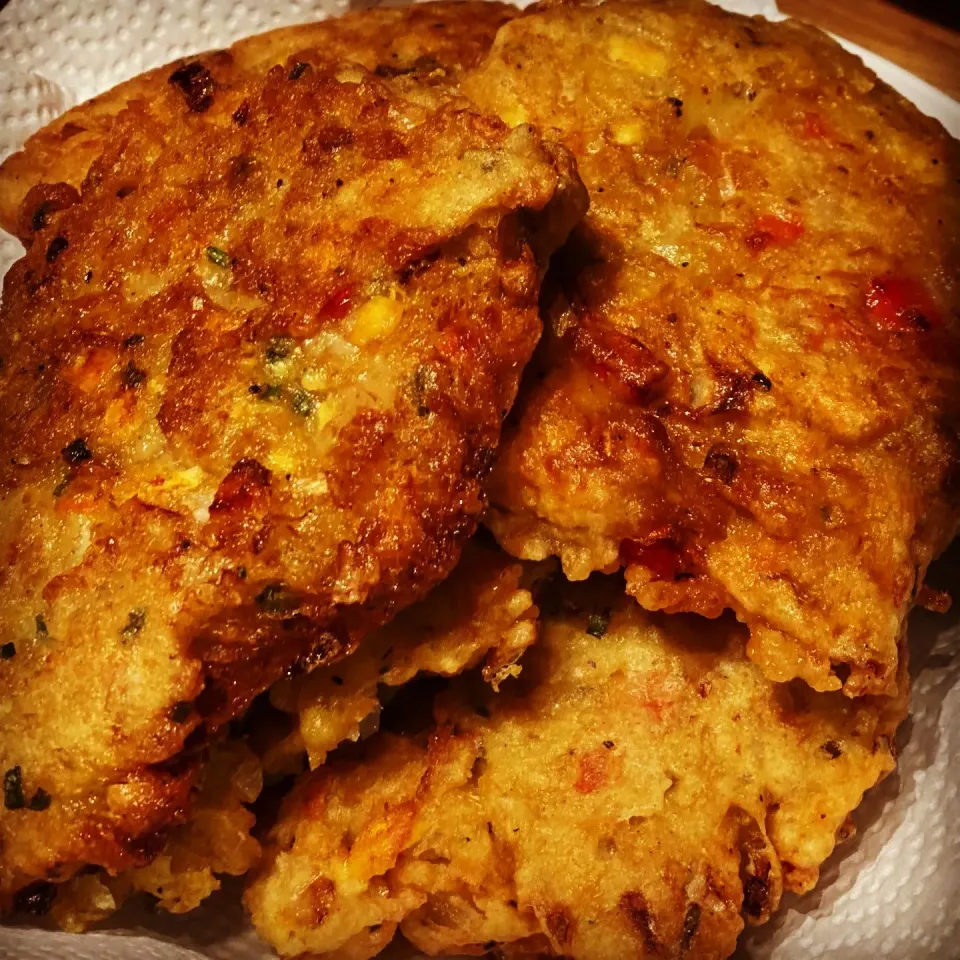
x: 918, y: 43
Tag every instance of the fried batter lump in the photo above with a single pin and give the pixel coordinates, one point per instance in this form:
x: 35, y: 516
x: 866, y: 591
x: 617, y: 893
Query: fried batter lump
x: 750, y: 395
x: 483, y: 613
x: 640, y: 790
x: 215, y: 840
x: 253, y: 381
x: 431, y: 42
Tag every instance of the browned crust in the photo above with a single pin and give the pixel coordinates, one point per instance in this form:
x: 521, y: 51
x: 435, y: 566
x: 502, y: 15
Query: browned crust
x: 640, y: 791
x: 432, y: 42
x: 751, y: 399
x: 253, y: 379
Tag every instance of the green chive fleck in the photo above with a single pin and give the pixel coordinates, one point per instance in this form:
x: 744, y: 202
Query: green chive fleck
x: 597, y: 624
x: 13, y: 798
x: 270, y: 392
x: 40, y: 800
x: 135, y: 621
x: 220, y: 257
x: 59, y: 489
x: 279, y: 348
x: 303, y: 403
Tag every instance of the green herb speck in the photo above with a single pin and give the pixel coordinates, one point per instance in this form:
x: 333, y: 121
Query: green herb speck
x: 135, y: 621
x: 220, y: 257
x: 303, y: 403
x: 59, y: 489
x: 13, y: 798
x: 279, y: 348
x: 597, y: 624
x: 274, y: 599
x: 270, y: 392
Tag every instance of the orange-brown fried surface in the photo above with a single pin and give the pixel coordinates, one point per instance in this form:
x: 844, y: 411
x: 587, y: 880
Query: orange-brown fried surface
x: 432, y: 42
x: 253, y: 378
x: 750, y: 398
x: 483, y: 613
x: 639, y: 791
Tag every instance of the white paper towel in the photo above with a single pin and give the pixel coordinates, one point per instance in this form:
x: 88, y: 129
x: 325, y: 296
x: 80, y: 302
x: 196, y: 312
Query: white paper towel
x: 893, y: 892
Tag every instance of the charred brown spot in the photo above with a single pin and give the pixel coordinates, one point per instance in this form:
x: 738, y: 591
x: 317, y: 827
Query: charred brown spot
x: 76, y: 452
x: 56, y: 246
x: 691, y: 921
x: 39, y: 205
x: 832, y: 749
x: 637, y: 911
x: 560, y: 924
x: 241, y: 114
x: 243, y: 487
x: 196, y: 84
x: 416, y: 267
x: 756, y: 897
x: 40, y: 215
x: 325, y: 141
x: 298, y: 70
x: 762, y: 381
x: 721, y: 465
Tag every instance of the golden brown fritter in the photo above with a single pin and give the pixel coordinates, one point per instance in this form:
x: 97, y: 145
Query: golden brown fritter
x: 483, y: 613
x: 253, y: 380
x: 752, y: 400
x: 639, y: 791
x: 432, y: 42
x: 215, y: 840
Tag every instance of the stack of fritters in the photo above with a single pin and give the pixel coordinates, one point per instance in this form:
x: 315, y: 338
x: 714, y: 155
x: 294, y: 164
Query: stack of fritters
x: 275, y: 307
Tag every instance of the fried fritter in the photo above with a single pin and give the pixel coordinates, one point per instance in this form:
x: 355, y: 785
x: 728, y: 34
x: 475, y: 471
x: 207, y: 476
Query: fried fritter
x: 253, y: 381
x: 215, y: 840
x: 483, y: 613
x: 432, y: 42
x: 751, y: 394
x: 639, y: 791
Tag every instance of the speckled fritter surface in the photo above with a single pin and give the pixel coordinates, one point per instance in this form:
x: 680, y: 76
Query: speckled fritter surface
x: 483, y: 613
x: 433, y: 42
x: 751, y: 399
x: 253, y: 379
x: 638, y: 791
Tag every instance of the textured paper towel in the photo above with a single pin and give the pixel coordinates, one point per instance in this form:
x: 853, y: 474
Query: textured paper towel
x: 890, y: 893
